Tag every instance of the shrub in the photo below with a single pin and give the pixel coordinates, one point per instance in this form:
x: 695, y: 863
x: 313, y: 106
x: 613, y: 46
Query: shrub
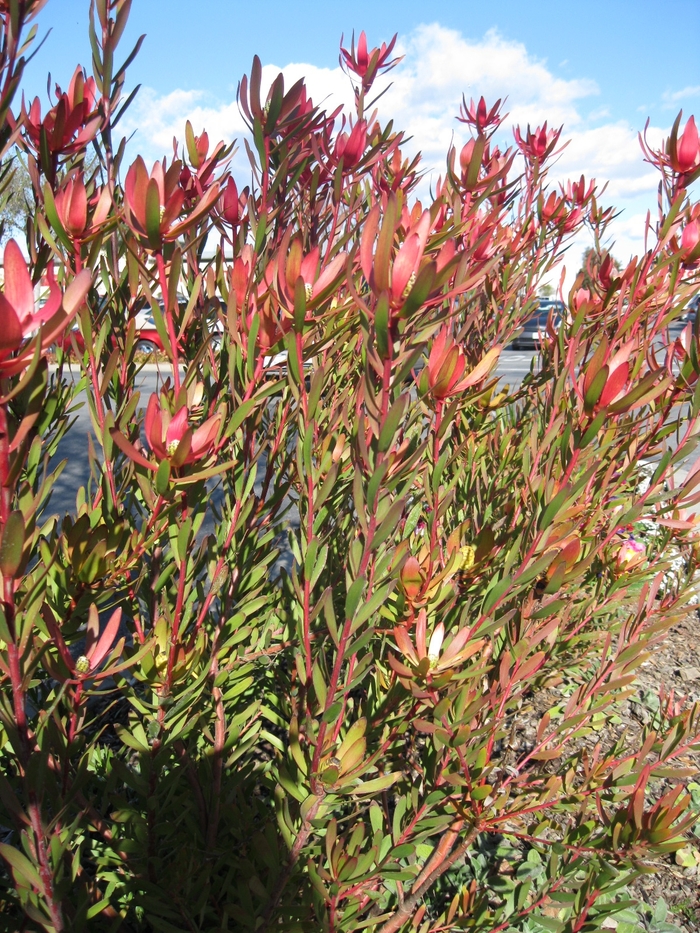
x: 335, y: 636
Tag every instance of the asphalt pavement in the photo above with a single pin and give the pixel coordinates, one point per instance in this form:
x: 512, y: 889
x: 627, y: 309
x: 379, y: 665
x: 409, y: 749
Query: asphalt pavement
x: 512, y: 368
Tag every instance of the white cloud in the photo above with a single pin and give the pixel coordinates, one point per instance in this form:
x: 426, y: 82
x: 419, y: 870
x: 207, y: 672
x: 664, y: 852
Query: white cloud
x: 671, y: 98
x: 441, y: 65
x: 157, y: 119
x: 610, y: 153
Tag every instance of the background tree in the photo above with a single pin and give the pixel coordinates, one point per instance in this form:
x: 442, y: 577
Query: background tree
x: 17, y: 194
x: 590, y: 267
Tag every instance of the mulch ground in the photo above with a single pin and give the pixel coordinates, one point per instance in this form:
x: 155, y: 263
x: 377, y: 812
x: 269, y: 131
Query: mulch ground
x: 675, y: 665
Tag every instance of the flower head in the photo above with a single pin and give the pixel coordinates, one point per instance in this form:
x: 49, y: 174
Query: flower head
x: 80, y: 215
x: 67, y: 127
x: 97, y: 644
x: 412, y: 578
x: 172, y: 437
x: 367, y: 63
x: 19, y: 316
x: 291, y: 264
x: 479, y: 116
x: 350, y: 146
x: 447, y: 364
x: 153, y: 202
x: 428, y: 659
x: 537, y: 145
x: 684, y: 150
x: 629, y: 555
x: 231, y: 205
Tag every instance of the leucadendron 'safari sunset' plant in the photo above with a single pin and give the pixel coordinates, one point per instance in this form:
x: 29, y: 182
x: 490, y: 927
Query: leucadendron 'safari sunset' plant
x: 335, y: 636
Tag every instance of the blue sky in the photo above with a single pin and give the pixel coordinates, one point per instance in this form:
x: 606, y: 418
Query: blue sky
x: 599, y: 67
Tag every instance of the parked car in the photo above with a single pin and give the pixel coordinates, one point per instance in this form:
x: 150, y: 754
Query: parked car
x: 692, y: 312
x: 276, y: 366
x: 531, y: 335
x: 147, y: 336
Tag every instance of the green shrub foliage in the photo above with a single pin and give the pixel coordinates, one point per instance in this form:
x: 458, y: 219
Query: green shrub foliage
x: 336, y: 634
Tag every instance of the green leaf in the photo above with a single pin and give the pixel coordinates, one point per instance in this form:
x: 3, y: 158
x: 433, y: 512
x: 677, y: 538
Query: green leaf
x: 54, y: 219
x: 352, y: 600
x: 260, y: 233
x: 21, y: 866
x: 385, y: 242
x: 596, y: 389
x: 163, y: 477
x: 381, y: 326
x: 377, y: 784
x: 192, y: 153
x: 393, y: 418
x: 320, y: 686
x: 592, y: 430
x: 420, y: 291
x: 376, y: 817
x: 299, y: 305
x: 333, y: 711
x: 293, y: 361
x: 153, y: 214
x: 12, y: 544
x: 128, y: 739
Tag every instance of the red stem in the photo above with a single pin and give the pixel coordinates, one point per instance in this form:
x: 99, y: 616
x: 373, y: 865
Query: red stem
x: 169, y: 321
x: 26, y: 749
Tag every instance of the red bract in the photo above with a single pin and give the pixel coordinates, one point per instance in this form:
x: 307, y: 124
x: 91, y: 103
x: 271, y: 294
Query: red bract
x: 394, y: 173
x: 291, y: 264
x: 581, y: 296
x: 481, y: 238
x: 483, y: 167
x: 70, y: 124
x: 684, y: 151
x: 153, y: 202
x: 606, y: 377
x: 479, y: 116
x: 350, y: 147
x: 539, y: 144
x: 690, y: 241
x: 577, y: 193
x: 446, y: 366
x: 20, y: 318
x: 196, y: 183
x: 171, y: 437
x: 408, y: 258
x: 606, y: 271
x: 273, y: 324
x: 230, y: 208
x: 466, y: 157
x: 396, y: 277
x: 556, y: 212
x: 367, y: 64
x: 97, y: 646
x: 73, y: 207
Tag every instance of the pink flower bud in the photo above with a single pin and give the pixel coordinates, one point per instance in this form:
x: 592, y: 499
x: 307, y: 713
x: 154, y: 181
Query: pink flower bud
x: 688, y: 149
x: 691, y: 236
